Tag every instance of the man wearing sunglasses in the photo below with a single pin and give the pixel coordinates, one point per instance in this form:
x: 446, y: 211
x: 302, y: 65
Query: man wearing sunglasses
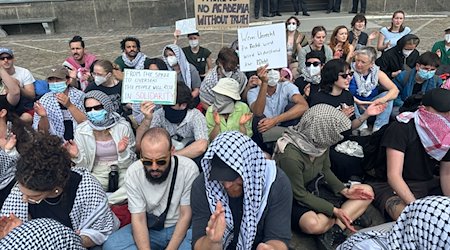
x: 158, y: 177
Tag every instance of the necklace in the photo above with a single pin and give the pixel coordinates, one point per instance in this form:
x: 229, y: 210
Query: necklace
x: 54, y: 203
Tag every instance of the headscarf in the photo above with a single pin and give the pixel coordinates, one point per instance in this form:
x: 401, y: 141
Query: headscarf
x: 137, y: 62
x: 366, y: 84
x: 111, y: 117
x: 182, y: 62
x: 319, y: 128
x: 245, y: 157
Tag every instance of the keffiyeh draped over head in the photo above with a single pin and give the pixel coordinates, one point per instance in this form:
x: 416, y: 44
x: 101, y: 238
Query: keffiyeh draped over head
x: 319, y: 128
x: 366, y: 83
x: 138, y: 61
x: 243, y: 155
x: 111, y: 118
x: 182, y: 62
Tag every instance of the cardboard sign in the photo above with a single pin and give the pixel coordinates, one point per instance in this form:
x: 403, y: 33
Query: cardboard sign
x: 158, y: 86
x: 221, y: 14
x: 262, y: 45
x: 186, y: 26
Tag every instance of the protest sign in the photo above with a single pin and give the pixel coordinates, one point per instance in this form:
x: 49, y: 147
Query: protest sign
x: 221, y: 14
x: 262, y: 45
x: 186, y: 26
x: 158, y: 86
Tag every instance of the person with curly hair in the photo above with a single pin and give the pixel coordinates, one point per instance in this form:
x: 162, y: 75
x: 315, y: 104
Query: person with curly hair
x: 48, y: 187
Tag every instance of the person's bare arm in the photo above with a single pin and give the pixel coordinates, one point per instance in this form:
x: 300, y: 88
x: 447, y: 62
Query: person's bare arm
x: 28, y: 91
x: 140, y: 230
x: 444, y: 176
x: 13, y: 95
x: 183, y: 223
x: 272, y: 245
x: 388, y: 84
x: 395, y: 160
x: 194, y: 149
x: 296, y: 111
x: 146, y: 109
x: 380, y: 44
x: 259, y: 104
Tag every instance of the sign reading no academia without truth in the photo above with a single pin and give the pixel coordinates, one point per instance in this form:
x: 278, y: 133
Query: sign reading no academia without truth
x: 221, y: 14
x: 158, y: 86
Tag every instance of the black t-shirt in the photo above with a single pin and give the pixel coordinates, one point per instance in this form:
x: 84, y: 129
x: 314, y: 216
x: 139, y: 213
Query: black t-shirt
x: 114, y: 92
x: 335, y: 101
x: 301, y: 84
x: 198, y: 59
x: 362, y: 40
x: 236, y: 207
x: 417, y: 165
x: 274, y: 223
x: 4, y: 104
x: 60, y: 207
x: 417, y: 88
x: 68, y: 124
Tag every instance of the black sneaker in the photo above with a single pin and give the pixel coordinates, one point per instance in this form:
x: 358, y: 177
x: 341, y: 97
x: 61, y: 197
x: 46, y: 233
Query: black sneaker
x: 332, y: 238
x: 363, y: 221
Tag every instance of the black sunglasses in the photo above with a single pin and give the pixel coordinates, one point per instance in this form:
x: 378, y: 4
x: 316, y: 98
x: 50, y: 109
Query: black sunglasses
x: 150, y: 162
x: 308, y: 64
x: 6, y: 57
x: 346, y: 75
x: 96, y: 107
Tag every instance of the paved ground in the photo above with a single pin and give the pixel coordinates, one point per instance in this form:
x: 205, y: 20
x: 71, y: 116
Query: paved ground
x: 40, y: 52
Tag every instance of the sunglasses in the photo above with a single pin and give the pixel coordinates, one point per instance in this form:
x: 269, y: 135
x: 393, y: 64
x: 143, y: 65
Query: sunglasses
x: 6, y: 57
x: 97, y: 107
x: 308, y: 64
x: 346, y: 75
x: 148, y: 162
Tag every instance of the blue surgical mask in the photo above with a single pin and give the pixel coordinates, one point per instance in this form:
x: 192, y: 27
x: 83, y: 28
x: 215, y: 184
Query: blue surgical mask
x: 425, y: 75
x: 57, y: 87
x: 97, y: 117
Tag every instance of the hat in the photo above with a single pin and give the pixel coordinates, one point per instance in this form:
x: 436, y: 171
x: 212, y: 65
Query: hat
x: 437, y: 98
x: 287, y: 74
x: 6, y: 51
x: 228, y: 87
x: 193, y: 33
x: 58, y: 71
x: 447, y: 30
x: 220, y: 171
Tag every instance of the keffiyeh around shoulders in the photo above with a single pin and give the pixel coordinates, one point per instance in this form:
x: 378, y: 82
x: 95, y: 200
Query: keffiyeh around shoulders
x: 366, y: 83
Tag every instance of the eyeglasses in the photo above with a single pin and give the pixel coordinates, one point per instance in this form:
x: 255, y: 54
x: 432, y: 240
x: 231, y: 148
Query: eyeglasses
x: 96, y: 107
x: 308, y: 64
x: 149, y: 162
x: 6, y: 57
x: 346, y: 75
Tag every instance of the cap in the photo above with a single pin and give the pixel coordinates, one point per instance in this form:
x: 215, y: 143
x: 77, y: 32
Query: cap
x: 194, y: 33
x: 58, y: 71
x: 447, y: 30
x: 6, y: 51
x: 437, y: 98
x: 220, y: 171
x: 228, y: 87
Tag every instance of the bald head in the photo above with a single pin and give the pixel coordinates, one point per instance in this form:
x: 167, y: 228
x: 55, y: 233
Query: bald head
x: 158, y: 136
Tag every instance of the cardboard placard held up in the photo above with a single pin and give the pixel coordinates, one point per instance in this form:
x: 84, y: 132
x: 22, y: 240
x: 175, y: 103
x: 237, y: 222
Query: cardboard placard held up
x: 186, y: 26
x: 221, y: 14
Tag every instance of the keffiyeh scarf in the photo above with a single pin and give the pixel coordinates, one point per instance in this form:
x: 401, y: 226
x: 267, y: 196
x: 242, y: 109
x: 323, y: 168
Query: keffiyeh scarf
x: 7, y: 168
x: 182, y: 63
x: 319, y: 128
x: 138, y: 61
x: 433, y: 130
x: 315, y: 79
x: 111, y: 118
x: 367, y: 83
x: 258, y: 174
x: 88, y: 60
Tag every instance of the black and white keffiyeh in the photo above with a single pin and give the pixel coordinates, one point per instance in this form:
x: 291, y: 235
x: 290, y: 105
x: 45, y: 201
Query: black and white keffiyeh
x: 41, y: 234
x: 111, y: 118
x: 55, y: 114
x: 182, y: 63
x: 7, y: 168
x: 243, y: 155
x: 138, y: 61
x: 90, y: 212
x: 366, y: 83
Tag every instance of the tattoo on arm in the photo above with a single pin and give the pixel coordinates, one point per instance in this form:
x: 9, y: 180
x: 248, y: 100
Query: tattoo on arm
x: 394, y: 206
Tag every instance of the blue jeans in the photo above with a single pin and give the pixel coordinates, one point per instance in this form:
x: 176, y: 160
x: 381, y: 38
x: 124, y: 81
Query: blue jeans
x: 123, y: 239
x: 381, y: 119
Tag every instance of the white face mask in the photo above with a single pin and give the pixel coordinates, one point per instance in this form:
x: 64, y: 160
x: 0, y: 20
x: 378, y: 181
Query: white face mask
x: 313, y: 70
x: 291, y: 27
x: 274, y: 77
x: 447, y: 38
x: 172, y: 60
x: 99, y: 80
x: 193, y: 43
x: 228, y: 74
x: 407, y: 52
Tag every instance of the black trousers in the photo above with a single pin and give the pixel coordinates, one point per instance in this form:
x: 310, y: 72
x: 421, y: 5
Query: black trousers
x: 363, y: 5
x: 299, y: 5
x: 334, y: 5
x: 274, y: 5
x: 265, y: 7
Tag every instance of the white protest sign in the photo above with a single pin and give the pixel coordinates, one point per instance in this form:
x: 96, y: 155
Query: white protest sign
x: 158, y: 86
x: 186, y: 26
x: 262, y: 45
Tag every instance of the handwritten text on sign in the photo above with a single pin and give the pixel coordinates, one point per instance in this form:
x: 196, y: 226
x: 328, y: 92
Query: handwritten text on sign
x: 158, y: 86
x: 262, y: 45
x: 221, y: 14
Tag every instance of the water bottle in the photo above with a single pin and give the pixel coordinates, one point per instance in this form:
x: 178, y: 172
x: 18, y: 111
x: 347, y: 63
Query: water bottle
x: 113, y: 178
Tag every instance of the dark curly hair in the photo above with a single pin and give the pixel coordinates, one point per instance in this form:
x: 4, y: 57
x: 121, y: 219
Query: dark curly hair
x: 44, y: 164
x: 130, y: 39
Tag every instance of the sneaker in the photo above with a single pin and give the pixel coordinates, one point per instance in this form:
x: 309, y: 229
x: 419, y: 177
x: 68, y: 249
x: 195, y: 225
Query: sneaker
x: 363, y: 221
x: 306, y: 14
x: 332, y: 238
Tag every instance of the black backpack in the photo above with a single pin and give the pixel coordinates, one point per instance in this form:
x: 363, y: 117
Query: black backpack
x: 374, y: 161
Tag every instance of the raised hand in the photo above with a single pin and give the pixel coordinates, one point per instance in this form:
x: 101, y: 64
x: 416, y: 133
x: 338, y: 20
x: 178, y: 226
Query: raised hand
x: 216, y: 224
x: 147, y: 109
x: 39, y: 109
x: 262, y: 73
x: 71, y: 147
x: 216, y: 117
x: 123, y: 144
x: 63, y: 99
x: 245, y: 118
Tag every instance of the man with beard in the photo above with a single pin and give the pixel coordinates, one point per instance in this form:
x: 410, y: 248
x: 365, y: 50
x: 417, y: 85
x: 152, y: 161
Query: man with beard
x: 158, y: 189
x: 80, y: 62
x: 132, y: 57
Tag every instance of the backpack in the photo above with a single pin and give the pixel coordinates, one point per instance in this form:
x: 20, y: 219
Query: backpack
x: 374, y: 161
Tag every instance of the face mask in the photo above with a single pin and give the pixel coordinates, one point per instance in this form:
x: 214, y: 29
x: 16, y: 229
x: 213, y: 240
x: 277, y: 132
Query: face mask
x: 174, y: 115
x: 172, y: 60
x: 193, y: 43
x: 97, y: 117
x: 237, y: 52
x: 99, y: 80
x: 313, y: 70
x: 226, y: 73
x: 274, y: 77
x: 407, y: 52
x: 425, y: 75
x: 291, y: 27
x: 447, y: 38
x: 57, y: 87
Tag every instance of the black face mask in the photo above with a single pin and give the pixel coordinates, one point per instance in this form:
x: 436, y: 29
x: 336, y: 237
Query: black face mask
x: 173, y: 115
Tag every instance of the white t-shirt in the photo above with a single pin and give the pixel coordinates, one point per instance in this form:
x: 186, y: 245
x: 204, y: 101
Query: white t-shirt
x: 144, y: 196
x: 23, y: 75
